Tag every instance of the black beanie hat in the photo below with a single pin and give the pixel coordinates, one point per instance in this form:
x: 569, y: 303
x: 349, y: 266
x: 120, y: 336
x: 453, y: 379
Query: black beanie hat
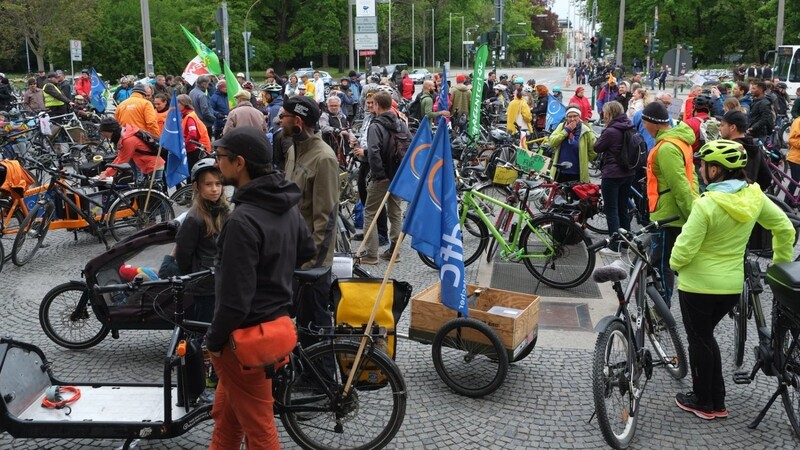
x: 655, y: 112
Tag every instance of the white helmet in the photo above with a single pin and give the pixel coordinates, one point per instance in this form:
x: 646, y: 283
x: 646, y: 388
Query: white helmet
x: 500, y: 87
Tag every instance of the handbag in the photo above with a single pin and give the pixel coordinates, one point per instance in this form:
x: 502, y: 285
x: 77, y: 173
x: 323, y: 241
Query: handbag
x: 265, y: 344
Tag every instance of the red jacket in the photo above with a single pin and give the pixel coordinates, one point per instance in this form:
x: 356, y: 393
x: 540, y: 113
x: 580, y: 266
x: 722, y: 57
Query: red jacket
x: 694, y: 123
x: 583, y: 103
x: 408, y: 87
x: 83, y: 86
x: 130, y: 148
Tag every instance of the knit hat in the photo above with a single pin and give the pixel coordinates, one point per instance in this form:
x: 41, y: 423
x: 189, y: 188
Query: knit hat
x: 655, y: 112
x: 460, y: 78
x: 579, y: 89
x: 573, y: 109
x: 139, y: 87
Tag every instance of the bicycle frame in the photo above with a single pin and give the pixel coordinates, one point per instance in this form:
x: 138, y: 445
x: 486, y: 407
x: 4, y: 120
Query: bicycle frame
x: 779, y: 177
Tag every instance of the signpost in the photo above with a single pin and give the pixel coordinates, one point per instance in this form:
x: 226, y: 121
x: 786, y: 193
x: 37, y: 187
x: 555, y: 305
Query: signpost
x: 366, y: 53
x: 76, y: 54
x: 366, y: 35
x: 366, y: 24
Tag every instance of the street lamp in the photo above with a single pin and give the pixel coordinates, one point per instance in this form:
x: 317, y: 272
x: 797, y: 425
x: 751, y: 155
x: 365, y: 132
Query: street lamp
x: 246, y: 37
x: 450, y: 37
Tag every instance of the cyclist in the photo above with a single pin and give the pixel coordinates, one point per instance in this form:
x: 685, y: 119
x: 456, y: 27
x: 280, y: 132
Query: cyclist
x: 130, y: 149
x: 518, y: 116
x: 708, y: 255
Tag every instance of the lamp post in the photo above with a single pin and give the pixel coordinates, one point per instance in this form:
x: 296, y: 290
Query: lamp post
x: 433, y: 39
x: 246, y: 36
x: 450, y: 37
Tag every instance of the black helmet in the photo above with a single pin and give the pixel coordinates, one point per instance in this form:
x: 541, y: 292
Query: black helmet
x: 201, y: 166
x: 703, y: 101
x: 503, y: 77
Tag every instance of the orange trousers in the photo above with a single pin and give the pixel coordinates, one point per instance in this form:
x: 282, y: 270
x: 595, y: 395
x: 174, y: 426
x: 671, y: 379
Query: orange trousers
x: 242, y: 407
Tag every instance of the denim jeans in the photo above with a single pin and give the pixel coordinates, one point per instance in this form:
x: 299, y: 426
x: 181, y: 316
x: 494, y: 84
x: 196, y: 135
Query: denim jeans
x: 615, y: 204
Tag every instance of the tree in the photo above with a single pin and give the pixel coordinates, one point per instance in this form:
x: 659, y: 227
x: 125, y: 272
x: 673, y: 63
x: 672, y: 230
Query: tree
x: 45, y: 24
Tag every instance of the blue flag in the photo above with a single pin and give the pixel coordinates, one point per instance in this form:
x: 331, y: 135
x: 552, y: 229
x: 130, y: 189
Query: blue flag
x: 404, y: 183
x: 444, y: 103
x: 555, y: 113
x: 172, y: 140
x: 432, y: 221
x: 98, y: 93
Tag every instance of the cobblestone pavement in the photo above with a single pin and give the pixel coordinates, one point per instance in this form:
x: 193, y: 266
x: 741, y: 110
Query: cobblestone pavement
x: 546, y: 401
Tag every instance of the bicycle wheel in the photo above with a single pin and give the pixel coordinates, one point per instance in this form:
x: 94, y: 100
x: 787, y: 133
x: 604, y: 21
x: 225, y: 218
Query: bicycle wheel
x: 785, y: 342
x: 183, y: 196
x: 64, y: 323
x: 667, y: 344
x: 598, y: 222
x: 474, y: 238
x: 129, y: 215
x: 497, y: 192
x: 784, y: 135
x: 469, y: 357
x: 342, y: 236
x: 614, y: 399
x: 9, y: 227
x: 556, y: 251
x: 31, y: 233
x: 368, y: 418
x: 739, y: 315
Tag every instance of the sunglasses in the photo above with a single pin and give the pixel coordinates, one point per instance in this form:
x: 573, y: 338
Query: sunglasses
x: 285, y: 115
x: 217, y: 155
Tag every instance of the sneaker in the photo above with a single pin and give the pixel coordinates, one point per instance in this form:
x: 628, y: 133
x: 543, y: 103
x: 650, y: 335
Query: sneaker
x: 721, y: 413
x: 688, y: 402
x: 369, y: 260
x: 387, y: 255
x: 608, y: 252
x: 382, y: 240
x: 358, y: 237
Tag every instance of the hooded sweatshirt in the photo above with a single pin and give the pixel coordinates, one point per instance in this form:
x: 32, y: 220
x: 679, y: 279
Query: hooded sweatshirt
x: 609, y: 145
x: 461, y: 99
x: 708, y: 253
x: 678, y: 194
x: 264, y: 239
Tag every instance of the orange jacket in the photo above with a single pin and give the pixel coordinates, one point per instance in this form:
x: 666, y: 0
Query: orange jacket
x: 139, y: 112
x: 194, y: 129
x: 130, y: 148
x: 17, y: 178
x: 161, y: 119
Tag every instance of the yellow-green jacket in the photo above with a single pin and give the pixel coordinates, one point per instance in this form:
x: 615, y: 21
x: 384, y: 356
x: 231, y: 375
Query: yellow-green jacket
x: 586, y: 151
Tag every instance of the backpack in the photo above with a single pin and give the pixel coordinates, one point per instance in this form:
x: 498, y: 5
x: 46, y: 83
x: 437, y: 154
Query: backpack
x: 415, y: 107
x: 709, y: 130
x: 150, y: 140
x: 399, y: 142
x: 634, y: 150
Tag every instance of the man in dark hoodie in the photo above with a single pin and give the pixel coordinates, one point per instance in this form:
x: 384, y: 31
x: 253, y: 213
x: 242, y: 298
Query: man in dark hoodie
x: 732, y: 127
x: 761, y: 114
x: 259, y: 246
x: 381, y: 173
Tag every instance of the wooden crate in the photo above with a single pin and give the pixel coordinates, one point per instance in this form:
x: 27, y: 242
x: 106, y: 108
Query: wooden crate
x: 428, y: 315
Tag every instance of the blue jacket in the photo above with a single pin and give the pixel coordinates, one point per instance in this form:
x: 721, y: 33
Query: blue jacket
x: 274, y: 109
x: 202, y: 107
x: 219, y: 103
x: 637, y: 123
x: 746, y: 101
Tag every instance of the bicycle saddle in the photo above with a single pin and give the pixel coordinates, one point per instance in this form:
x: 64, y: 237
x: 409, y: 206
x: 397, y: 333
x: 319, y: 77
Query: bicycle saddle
x: 784, y: 279
x: 123, y: 167
x: 533, y: 183
x: 311, y: 275
x: 616, y: 271
x: 563, y: 165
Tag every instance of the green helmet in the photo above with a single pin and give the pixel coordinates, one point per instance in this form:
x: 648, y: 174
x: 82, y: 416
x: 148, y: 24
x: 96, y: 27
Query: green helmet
x: 728, y: 154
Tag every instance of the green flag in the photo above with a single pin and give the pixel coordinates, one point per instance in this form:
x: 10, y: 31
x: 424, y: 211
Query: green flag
x: 478, y: 82
x: 209, y: 58
x: 233, y: 86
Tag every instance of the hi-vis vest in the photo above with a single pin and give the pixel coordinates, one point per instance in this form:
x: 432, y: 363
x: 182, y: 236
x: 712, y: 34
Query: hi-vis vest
x: 201, y: 127
x: 49, y: 100
x: 652, y: 183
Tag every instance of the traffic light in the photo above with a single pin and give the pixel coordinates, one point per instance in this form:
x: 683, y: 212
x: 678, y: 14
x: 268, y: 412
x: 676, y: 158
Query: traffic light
x: 601, y: 48
x: 690, y: 48
x: 654, y: 47
x: 606, y: 46
x: 251, y: 51
x: 216, y: 44
x: 646, y: 45
x: 593, y: 46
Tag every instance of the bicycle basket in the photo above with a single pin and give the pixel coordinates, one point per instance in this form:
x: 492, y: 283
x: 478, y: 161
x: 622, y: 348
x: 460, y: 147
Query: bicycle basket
x: 506, y: 154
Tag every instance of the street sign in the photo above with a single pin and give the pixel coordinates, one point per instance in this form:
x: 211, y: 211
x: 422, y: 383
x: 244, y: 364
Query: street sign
x: 75, y: 50
x: 365, y: 8
x: 366, y: 25
x: 366, y: 53
x: 246, y: 35
x: 367, y: 41
x: 468, y: 42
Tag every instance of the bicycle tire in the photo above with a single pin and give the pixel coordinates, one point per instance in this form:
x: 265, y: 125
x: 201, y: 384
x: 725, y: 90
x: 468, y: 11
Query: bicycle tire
x: 785, y: 336
x: 739, y: 314
x: 667, y: 344
x: 183, y: 196
x: 378, y: 421
x: 784, y: 135
x: 610, y: 383
x: 598, y: 222
x: 33, y: 227
x: 474, y: 241
x: 62, y: 301
x: 342, y: 236
x: 557, y: 239
x: 128, y: 216
x: 473, y: 366
x: 497, y: 192
x: 8, y: 231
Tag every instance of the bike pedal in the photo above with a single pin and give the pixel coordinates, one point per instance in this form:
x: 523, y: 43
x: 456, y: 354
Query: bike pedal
x: 742, y: 378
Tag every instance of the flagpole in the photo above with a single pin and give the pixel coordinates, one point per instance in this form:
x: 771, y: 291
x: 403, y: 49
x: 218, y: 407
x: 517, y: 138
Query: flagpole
x: 152, y: 178
x: 375, y: 308
x: 372, y: 224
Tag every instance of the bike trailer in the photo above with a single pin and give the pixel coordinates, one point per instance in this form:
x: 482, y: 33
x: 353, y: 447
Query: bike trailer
x: 147, y: 253
x: 784, y: 279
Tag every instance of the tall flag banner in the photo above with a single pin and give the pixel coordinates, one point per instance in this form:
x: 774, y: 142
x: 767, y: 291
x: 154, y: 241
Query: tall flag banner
x: 194, y: 70
x: 232, y: 84
x: 432, y: 221
x: 97, y: 94
x: 555, y: 113
x: 405, y: 181
x: 172, y: 140
x: 444, y: 99
x: 208, y: 57
x: 478, y: 83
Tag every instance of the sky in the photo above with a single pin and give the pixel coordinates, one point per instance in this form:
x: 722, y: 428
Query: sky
x: 560, y: 7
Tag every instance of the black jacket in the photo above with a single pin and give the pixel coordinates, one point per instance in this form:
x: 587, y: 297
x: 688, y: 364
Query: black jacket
x: 756, y: 169
x: 378, y: 144
x: 195, y: 251
x: 624, y: 100
x: 761, y: 117
x: 6, y: 97
x: 781, y: 104
x: 262, y: 242
x: 609, y: 145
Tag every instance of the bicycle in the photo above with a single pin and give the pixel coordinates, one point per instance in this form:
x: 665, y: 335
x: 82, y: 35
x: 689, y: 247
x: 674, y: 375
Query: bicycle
x: 622, y: 365
x: 778, y: 354
x: 115, y: 208
x: 550, y: 246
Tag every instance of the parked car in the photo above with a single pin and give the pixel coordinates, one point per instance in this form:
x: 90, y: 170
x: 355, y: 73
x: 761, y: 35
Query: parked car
x: 326, y: 77
x: 420, y: 75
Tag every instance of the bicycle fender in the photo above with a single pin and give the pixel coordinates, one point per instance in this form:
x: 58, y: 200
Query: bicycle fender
x: 605, y: 322
x: 661, y: 306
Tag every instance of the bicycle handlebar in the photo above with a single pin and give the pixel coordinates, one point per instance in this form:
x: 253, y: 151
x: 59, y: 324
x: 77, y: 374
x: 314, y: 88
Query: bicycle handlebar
x: 617, y: 236
x: 139, y: 282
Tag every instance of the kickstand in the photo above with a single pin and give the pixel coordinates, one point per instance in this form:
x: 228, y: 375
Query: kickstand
x: 763, y: 412
x: 129, y: 444
x: 594, y: 413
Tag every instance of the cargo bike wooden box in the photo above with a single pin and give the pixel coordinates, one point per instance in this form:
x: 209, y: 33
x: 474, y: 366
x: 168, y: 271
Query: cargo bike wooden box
x: 472, y: 354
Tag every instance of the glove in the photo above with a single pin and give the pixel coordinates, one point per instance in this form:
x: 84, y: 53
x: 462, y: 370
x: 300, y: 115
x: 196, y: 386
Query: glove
x: 219, y: 116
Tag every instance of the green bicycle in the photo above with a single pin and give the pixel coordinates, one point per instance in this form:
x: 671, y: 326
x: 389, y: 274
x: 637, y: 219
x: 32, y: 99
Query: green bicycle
x: 553, y: 248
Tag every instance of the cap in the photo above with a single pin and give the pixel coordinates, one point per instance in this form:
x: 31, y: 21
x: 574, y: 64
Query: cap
x: 782, y: 85
x: 304, y: 107
x: 139, y: 87
x: 52, y: 75
x: 248, y: 142
x: 240, y: 75
x: 84, y: 70
x: 243, y: 94
x: 460, y: 78
x: 734, y: 117
x: 655, y: 112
